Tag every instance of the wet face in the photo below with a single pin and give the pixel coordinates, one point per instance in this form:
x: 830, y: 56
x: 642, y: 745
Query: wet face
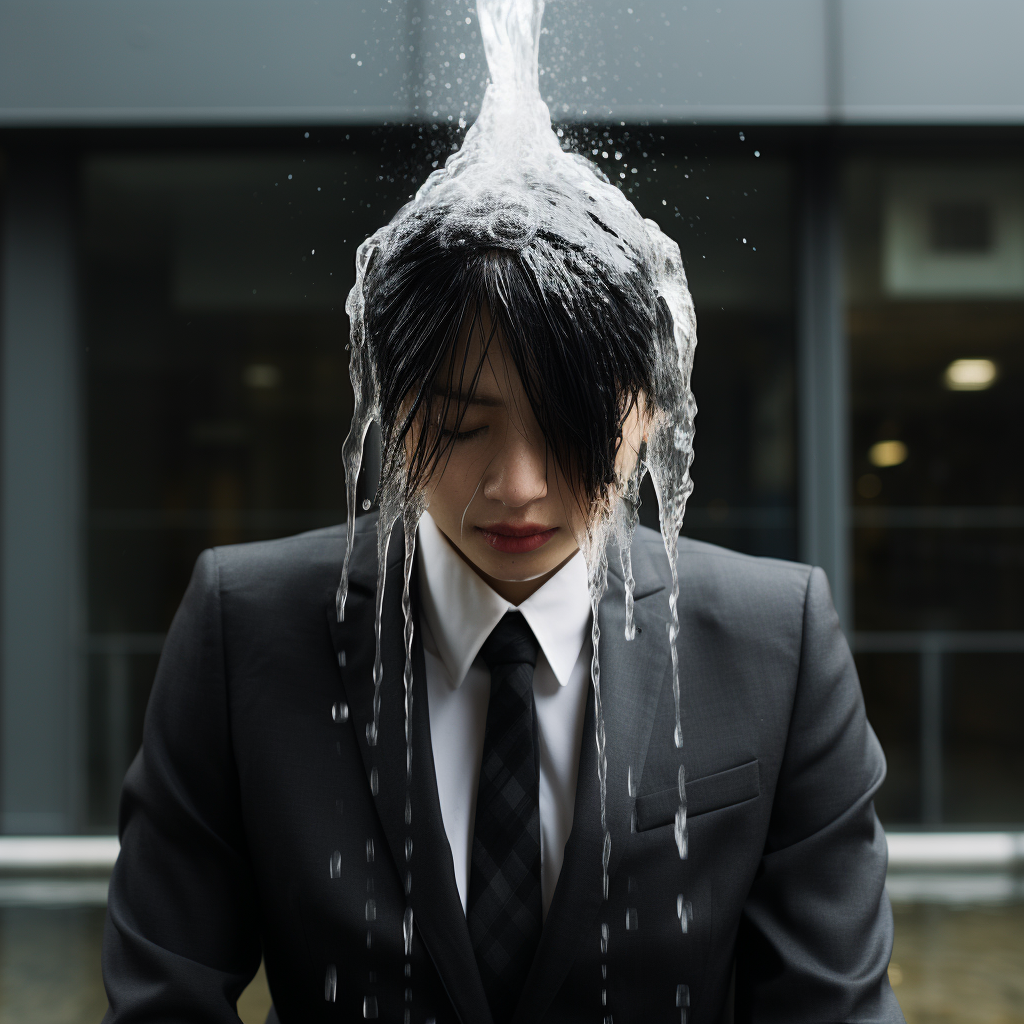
x: 500, y: 497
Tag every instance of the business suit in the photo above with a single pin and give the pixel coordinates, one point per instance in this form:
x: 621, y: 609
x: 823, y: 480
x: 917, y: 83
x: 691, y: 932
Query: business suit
x: 246, y: 785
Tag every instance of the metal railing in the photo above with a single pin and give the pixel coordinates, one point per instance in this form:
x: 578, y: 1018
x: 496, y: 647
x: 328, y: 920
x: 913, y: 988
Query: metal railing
x: 986, y: 867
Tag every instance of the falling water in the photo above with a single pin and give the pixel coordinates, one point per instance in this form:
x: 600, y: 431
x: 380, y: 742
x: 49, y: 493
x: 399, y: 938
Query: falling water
x: 513, y: 186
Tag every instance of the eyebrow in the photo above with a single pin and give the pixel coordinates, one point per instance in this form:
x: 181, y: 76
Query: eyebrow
x: 461, y: 399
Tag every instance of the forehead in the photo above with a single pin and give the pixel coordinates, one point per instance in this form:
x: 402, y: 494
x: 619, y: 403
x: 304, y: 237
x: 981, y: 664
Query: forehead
x: 480, y: 354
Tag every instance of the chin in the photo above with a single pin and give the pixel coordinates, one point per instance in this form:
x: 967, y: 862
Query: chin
x: 515, y: 569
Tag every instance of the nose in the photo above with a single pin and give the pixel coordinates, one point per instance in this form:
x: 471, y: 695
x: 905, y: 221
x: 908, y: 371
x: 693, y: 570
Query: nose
x: 518, y: 473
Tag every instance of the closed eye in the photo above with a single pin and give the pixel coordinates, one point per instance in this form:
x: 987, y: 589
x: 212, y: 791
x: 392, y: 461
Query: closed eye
x: 462, y: 435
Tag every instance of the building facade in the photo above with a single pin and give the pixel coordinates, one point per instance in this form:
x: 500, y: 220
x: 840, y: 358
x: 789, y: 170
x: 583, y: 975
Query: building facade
x: 183, y: 187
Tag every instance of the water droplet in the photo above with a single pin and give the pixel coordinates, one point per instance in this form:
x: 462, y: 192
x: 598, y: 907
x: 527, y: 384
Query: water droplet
x: 371, y: 910
x: 336, y: 864
x: 374, y: 781
x: 408, y: 970
x: 370, y: 1007
x: 369, y: 938
x: 367, y: 504
x: 341, y: 659
x: 630, y: 782
x: 371, y: 738
x: 604, y: 997
x: 408, y: 849
x: 682, y: 995
x: 407, y: 930
x: 331, y: 983
x: 339, y: 712
x: 606, y: 854
x: 369, y: 851
x: 684, y: 911
x: 680, y: 833
x: 678, y: 736
x: 604, y: 970
x: 632, y: 921
x: 631, y: 885
x: 604, y: 939
x: 408, y: 811
x: 408, y: 882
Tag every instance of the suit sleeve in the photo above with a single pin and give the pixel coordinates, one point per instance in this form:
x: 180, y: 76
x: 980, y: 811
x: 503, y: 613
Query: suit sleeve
x: 816, y: 932
x: 181, y: 938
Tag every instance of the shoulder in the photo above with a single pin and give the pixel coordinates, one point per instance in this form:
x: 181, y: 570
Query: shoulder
x: 718, y: 567
x: 290, y: 572
x: 724, y: 587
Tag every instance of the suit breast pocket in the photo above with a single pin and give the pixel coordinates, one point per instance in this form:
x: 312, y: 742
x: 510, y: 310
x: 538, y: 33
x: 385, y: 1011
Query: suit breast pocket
x: 711, y: 793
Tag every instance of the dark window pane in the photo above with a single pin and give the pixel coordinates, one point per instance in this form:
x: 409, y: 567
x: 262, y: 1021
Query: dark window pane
x: 733, y: 220
x: 935, y: 318
x: 891, y: 684
x: 984, y: 738
x: 217, y: 388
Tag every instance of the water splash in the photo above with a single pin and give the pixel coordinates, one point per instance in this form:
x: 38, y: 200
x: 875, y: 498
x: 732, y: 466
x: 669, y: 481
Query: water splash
x: 512, y: 186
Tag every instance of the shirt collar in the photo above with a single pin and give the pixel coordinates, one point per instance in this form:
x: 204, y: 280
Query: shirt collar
x: 461, y: 609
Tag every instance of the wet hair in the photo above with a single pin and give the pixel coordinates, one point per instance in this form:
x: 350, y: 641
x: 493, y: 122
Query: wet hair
x: 582, y: 338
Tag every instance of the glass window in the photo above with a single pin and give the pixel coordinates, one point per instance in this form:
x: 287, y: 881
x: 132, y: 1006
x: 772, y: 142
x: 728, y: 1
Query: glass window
x: 217, y: 388
x: 733, y: 219
x: 935, y: 316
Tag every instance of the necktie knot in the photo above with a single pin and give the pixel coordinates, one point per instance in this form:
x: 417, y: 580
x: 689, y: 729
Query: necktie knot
x: 511, y: 643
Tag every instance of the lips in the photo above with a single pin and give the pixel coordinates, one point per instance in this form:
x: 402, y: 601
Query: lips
x: 514, y: 540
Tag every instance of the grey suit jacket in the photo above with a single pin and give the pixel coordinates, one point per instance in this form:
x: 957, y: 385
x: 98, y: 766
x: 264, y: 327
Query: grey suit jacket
x: 249, y: 823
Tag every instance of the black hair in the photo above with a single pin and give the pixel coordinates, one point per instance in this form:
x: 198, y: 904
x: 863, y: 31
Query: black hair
x: 582, y: 337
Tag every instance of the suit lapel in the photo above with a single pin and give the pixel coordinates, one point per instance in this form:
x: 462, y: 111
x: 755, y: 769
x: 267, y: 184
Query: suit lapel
x: 437, y: 907
x: 632, y: 676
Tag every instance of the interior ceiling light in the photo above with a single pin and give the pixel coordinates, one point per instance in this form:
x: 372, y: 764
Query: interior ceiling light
x: 970, y: 374
x: 887, y: 453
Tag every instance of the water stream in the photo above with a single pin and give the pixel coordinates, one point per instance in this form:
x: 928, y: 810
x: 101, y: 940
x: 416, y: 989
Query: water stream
x: 514, y: 184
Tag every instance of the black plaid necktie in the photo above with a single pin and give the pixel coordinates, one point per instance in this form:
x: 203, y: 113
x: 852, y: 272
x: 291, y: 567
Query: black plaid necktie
x: 504, y: 905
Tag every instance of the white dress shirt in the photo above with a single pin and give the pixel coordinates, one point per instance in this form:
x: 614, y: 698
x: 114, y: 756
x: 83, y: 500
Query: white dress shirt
x: 459, y: 612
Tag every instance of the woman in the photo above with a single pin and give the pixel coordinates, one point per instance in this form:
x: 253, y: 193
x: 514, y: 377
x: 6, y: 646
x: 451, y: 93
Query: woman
x: 265, y: 815
x: 388, y: 794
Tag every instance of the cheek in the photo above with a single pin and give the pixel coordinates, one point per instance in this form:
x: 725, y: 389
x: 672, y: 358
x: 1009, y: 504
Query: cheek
x: 452, y: 485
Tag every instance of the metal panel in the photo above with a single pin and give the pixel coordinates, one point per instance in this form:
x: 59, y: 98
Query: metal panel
x: 201, y: 62
x: 942, y: 61
x: 291, y: 61
x: 277, y: 62
x: 41, y: 503
x: 823, y: 391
